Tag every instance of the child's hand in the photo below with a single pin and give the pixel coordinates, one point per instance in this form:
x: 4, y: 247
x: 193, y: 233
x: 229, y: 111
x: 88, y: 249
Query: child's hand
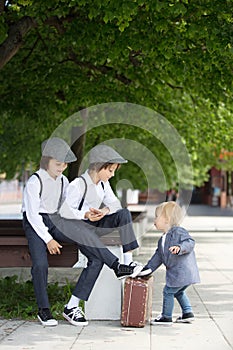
x: 175, y: 249
x: 95, y: 211
x: 104, y: 210
x: 54, y: 247
x: 94, y: 214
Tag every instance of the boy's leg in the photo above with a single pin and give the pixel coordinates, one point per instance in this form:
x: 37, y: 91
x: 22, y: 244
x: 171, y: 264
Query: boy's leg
x: 183, y: 300
x: 102, y: 254
x: 82, y: 290
x: 89, y: 242
x: 168, y: 305
x: 83, y: 235
x: 88, y: 276
x: 168, y: 301
x: 122, y: 221
x: 39, y: 270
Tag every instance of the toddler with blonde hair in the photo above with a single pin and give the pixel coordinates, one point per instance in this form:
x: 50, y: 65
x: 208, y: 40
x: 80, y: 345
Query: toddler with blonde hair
x: 175, y: 250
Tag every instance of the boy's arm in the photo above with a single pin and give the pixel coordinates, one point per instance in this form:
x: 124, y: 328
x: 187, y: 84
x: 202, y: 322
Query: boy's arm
x: 32, y: 208
x: 155, y: 261
x: 110, y: 199
x: 74, y: 193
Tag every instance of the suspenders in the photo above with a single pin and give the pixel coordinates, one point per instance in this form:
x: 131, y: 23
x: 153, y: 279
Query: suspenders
x: 62, y: 185
x: 41, y: 188
x: 84, y: 194
x: 85, y: 191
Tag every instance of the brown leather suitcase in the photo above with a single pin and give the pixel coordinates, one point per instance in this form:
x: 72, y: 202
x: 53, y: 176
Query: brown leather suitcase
x: 137, y: 301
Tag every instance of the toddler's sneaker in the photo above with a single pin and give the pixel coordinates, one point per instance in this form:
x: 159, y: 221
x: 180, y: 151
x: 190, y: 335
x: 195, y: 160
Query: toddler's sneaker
x: 186, y: 318
x: 137, y: 268
x: 131, y: 270
x: 46, y: 318
x: 75, y: 316
x: 145, y: 272
x: 162, y: 320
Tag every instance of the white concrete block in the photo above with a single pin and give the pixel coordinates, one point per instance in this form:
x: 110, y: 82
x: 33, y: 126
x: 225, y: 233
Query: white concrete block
x: 82, y: 261
x: 106, y: 298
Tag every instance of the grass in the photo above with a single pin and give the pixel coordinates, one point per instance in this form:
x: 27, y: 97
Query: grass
x: 17, y: 299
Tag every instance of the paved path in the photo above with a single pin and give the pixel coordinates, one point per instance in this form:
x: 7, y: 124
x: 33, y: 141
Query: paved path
x: 212, y: 302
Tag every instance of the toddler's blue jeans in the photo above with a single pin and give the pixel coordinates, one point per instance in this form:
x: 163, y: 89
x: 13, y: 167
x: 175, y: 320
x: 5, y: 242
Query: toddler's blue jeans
x: 169, y: 293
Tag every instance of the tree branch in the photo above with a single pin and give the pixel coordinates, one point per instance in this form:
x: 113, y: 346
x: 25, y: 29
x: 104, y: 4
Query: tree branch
x: 102, y: 69
x: 173, y: 86
x: 18, y: 31
x: 133, y: 58
x: 31, y: 51
x: 56, y: 23
x: 2, y: 6
x: 14, y: 41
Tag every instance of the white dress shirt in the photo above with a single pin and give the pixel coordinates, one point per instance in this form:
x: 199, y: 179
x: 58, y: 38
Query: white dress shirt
x: 33, y: 204
x: 95, y: 196
x: 163, y: 240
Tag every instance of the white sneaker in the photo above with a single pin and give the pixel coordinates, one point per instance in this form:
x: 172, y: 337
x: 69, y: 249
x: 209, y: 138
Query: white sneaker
x: 145, y: 272
x: 186, y: 318
x: 161, y: 320
x: 46, y: 319
x: 137, y: 268
x: 75, y: 316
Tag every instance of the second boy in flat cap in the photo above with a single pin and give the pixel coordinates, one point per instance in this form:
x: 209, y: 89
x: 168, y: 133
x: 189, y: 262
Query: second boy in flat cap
x: 92, y: 205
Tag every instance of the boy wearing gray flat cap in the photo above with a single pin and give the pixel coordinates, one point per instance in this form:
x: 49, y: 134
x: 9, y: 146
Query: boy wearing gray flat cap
x: 105, y: 154
x: 58, y: 149
x: 91, y: 200
x: 43, y: 195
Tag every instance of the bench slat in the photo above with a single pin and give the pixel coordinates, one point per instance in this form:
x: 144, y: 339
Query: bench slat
x: 14, y: 253
x: 14, y: 246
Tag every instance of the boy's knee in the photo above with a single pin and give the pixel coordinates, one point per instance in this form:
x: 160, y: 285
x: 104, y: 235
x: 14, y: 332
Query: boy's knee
x: 40, y: 266
x: 124, y: 213
x: 95, y: 264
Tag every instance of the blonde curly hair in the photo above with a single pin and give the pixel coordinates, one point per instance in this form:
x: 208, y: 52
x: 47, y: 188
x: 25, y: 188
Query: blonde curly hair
x: 172, y: 212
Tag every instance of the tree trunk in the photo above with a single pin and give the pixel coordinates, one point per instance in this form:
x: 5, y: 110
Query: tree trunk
x: 124, y: 198
x: 77, y: 134
x: 14, y: 40
x: 78, y: 138
x: 2, y: 6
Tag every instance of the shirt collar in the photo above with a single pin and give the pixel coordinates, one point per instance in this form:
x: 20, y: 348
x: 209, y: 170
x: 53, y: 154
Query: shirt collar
x: 45, y: 175
x: 89, y: 179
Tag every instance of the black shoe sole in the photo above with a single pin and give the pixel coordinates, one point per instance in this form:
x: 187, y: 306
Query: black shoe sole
x: 134, y: 274
x: 47, y: 323
x: 185, y: 320
x: 74, y: 323
x: 153, y: 323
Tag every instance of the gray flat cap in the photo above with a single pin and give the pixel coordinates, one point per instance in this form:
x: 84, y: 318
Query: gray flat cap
x: 57, y: 149
x: 105, y: 154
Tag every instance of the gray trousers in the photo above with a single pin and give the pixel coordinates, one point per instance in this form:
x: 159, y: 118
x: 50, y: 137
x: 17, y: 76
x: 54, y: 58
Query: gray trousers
x: 86, y: 235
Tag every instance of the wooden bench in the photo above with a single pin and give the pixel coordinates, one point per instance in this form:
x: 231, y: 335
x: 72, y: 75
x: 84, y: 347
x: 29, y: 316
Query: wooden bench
x: 106, y: 298
x: 14, y: 246
x: 138, y: 215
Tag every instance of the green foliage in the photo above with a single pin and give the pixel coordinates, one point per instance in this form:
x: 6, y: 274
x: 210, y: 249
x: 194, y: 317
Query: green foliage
x: 174, y: 57
x: 20, y: 302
